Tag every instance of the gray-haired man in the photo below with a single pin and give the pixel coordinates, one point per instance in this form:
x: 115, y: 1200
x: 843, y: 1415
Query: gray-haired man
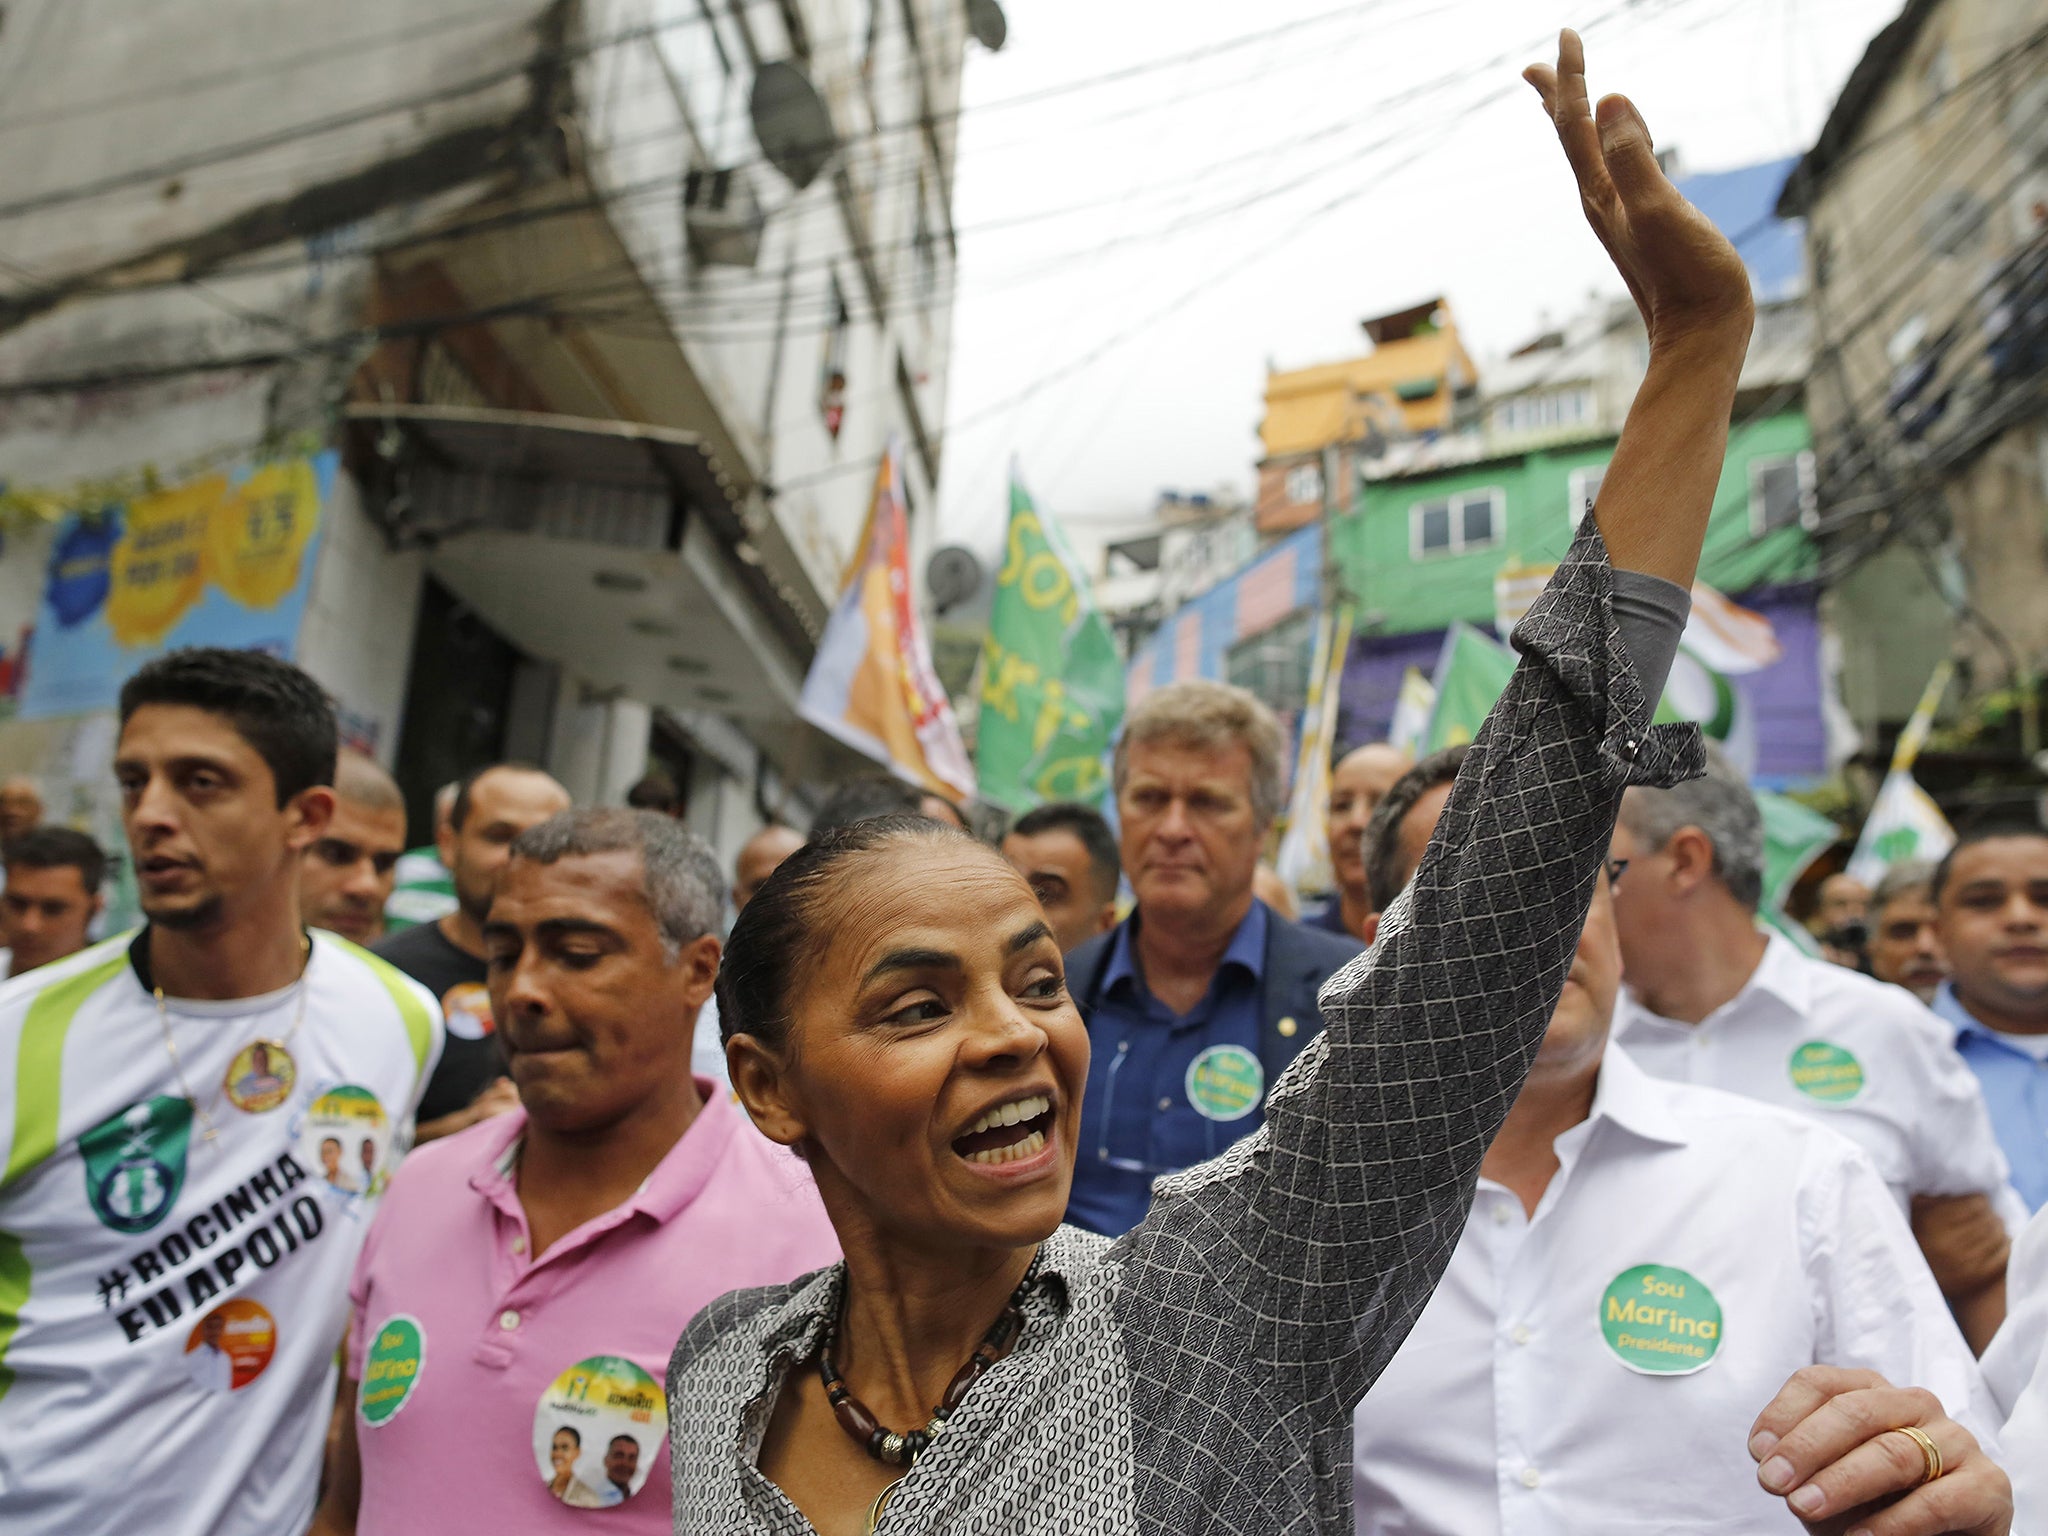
x: 1712, y: 999
x: 577, y: 1235
x: 1200, y: 998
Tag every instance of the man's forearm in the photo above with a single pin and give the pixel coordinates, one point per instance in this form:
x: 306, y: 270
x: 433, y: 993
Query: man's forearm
x: 1659, y: 488
x: 1980, y: 1314
x: 1966, y: 1246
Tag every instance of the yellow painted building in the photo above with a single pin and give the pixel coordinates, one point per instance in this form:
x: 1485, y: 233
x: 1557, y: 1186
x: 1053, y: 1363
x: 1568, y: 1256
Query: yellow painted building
x: 1320, y: 419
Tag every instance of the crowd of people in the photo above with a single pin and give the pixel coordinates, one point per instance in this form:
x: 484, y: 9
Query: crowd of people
x: 1062, y: 1181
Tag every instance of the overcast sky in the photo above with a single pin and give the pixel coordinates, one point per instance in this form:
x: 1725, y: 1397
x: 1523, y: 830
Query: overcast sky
x: 1150, y: 244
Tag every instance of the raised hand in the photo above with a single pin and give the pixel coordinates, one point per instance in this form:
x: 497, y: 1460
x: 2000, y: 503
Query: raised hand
x: 1683, y: 274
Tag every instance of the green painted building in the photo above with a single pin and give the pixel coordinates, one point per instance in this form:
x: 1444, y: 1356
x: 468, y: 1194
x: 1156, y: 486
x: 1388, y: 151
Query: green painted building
x: 1421, y: 550
x: 1418, y: 551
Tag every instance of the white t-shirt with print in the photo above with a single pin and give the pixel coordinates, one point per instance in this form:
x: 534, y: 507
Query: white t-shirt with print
x: 180, y: 1299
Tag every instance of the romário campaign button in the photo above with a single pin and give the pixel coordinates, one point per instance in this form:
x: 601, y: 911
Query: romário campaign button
x: 1825, y: 1072
x: 391, y: 1368
x: 1660, y: 1321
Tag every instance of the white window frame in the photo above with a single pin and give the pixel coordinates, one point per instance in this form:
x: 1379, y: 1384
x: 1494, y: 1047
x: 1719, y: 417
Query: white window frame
x: 1457, y: 501
x: 1556, y: 408
x: 1809, y: 510
x: 1302, y: 472
x: 1575, y: 505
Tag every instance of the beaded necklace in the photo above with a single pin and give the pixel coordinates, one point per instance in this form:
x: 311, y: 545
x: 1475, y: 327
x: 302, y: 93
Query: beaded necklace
x: 901, y: 1450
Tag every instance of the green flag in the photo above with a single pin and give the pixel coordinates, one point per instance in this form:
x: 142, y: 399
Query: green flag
x: 1472, y: 671
x: 1794, y: 837
x: 1052, y: 688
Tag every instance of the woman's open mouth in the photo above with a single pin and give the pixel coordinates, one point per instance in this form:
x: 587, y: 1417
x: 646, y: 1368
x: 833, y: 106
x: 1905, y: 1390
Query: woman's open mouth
x: 1008, y: 1133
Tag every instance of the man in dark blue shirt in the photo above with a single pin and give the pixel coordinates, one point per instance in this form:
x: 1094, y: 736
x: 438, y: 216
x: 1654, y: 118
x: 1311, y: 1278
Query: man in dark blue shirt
x: 1199, y: 999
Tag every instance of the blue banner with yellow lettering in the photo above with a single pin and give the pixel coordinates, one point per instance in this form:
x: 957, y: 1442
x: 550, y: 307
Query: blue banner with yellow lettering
x: 225, y: 559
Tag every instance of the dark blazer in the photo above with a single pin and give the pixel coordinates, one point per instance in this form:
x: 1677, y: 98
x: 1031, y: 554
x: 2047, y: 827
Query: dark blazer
x: 1298, y: 961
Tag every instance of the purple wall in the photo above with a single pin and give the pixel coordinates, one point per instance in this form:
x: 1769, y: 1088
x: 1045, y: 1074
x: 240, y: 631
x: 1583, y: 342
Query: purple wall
x: 1791, y: 740
x: 1372, y: 682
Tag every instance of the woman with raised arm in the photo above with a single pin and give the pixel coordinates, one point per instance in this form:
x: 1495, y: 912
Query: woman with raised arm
x: 895, y: 1010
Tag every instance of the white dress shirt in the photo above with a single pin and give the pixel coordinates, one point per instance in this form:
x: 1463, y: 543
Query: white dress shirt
x: 1545, y: 1391
x: 707, y: 1051
x: 2016, y: 1366
x: 1869, y: 1059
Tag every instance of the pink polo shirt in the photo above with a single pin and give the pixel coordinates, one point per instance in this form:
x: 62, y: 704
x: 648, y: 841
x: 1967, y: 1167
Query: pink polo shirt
x: 497, y: 1392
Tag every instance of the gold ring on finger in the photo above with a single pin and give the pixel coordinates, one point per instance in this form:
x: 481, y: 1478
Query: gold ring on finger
x: 1930, y: 1453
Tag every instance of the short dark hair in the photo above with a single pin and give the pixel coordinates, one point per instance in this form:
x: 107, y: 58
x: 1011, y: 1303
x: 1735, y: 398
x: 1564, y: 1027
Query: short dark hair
x: 1087, y: 824
x: 1988, y: 830
x: 275, y: 707
x: 465, y: 787
x: 631, y: 1440
x: 1383, y: 874
x: 866, y: 798
x: 777, y: 937
x: 60, y: 848
x: 684, y: 886
x: 655, y: 791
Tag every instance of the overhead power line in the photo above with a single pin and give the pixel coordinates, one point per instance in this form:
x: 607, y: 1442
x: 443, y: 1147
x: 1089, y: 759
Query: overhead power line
x: 544, y: 58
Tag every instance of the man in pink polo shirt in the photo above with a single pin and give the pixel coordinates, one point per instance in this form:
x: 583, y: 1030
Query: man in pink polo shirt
x: 521, y: 1289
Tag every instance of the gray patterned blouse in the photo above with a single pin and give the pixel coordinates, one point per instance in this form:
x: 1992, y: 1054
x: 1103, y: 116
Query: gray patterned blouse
x: 1199, y: 1373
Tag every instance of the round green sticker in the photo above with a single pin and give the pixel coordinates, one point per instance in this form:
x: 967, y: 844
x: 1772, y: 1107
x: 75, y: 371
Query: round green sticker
x: 391, y: 1368
x: 1225, y: 1082
x: 1660, y: 1321
x: 1825, y: 1072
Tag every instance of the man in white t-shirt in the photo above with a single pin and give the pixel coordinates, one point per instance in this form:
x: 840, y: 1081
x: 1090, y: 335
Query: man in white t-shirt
x: 176, y: 1268
x: 1713, y: 1000
x: 1644, y: 1266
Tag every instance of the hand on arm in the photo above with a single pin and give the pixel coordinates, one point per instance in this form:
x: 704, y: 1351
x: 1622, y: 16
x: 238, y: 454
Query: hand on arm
x: 1829, y: 1444
x: 1966, y: 1247
x: 1694, y: 295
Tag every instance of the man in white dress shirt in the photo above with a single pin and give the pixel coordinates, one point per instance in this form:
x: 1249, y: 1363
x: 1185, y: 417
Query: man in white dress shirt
x: 1715, y: 1001
x: 2016, y: 1367
x: 1645, y: 1263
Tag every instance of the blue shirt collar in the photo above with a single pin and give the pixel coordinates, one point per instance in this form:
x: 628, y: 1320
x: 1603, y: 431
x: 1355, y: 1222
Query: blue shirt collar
x: 1951, y: 1009
x: 1246, y: 951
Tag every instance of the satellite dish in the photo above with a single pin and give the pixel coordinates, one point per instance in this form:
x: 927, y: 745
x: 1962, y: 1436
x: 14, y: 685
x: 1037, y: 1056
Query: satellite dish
x: 952, y: 576
x: 985, y: 19
x: 791, y: 122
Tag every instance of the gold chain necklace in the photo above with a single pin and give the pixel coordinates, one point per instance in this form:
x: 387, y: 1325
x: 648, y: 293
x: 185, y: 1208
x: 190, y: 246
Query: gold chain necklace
x: 875, y: 1509
x: 209, y: 1131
